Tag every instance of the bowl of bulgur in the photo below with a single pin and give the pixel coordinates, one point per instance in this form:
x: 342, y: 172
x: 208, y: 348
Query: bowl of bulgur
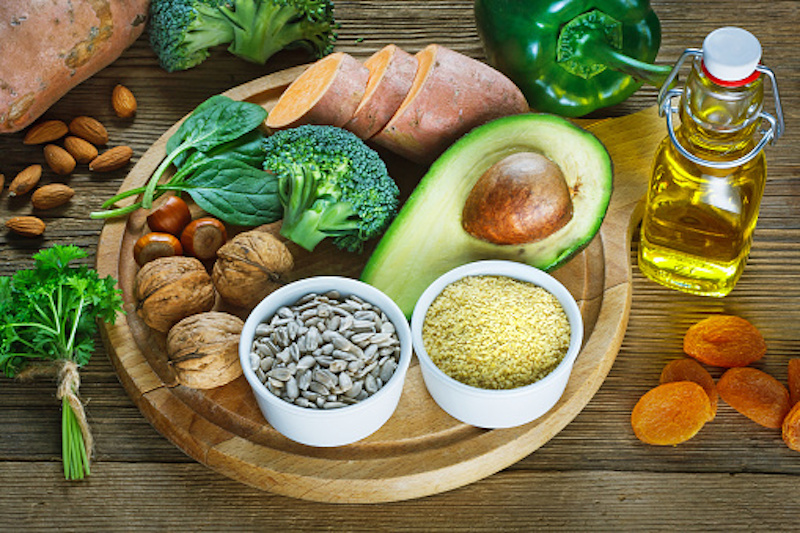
x: 496, y: 341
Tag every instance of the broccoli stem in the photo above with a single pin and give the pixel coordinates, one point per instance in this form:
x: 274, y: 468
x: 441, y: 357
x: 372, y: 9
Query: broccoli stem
x: 308, y: 218
x: 261, y: 29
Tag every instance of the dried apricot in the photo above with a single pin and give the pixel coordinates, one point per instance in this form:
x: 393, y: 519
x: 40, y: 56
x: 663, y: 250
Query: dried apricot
x: 724, y: 340
x: 791, y: 428
x: 671, y: 413
x: 794, y: 380
x: 690, y: 370
x: 757, y: 395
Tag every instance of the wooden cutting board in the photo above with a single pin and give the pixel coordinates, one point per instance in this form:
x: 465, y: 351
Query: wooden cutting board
x: 421, y: 450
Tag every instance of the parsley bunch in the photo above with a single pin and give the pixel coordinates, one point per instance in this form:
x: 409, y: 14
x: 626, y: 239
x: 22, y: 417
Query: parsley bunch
x: 49, y: 313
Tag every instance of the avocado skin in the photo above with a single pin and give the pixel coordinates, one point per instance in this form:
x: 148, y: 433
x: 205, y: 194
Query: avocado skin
x: 426, y: 239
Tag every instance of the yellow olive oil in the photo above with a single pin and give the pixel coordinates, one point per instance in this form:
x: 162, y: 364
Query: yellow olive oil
x: 698, y: 223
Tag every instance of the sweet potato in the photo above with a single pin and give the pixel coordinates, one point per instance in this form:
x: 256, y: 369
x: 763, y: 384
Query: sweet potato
x: 450, y: 95
x: 391, y: 73
x: 328, y: 92
x: 50, y: 47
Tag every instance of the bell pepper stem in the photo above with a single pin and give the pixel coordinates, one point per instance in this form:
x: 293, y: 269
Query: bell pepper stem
x: 654, y: 75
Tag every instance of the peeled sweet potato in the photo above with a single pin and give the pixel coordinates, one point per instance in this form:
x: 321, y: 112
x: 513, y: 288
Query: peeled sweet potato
x: 50, y: 47
x: 451, y: 94
x: 391, y: 73
x: 328, y: 92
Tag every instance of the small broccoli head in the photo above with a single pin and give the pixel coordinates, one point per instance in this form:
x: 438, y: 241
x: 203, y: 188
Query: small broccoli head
x: 182, y: 31
x: 331, y: 185
x: 262, y: 28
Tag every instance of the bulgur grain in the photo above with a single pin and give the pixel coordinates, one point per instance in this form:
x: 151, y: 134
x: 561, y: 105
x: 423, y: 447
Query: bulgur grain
x: 495, y: 332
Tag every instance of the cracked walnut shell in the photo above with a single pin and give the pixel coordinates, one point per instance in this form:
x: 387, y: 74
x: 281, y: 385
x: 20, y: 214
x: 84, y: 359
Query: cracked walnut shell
x: 250, y: 266
x: 169, y: 289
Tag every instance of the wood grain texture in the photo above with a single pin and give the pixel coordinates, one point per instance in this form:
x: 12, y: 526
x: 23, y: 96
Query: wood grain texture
x: 421, y: 450
x: 593, y: 475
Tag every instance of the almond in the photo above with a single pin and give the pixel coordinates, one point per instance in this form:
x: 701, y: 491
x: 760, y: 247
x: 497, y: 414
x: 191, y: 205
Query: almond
x: 25, y: 180
x: 59, y: 160
x: 82, y: 150
x: 123, y: 102
x: 89, y: 129
x: 112, y: 159
x: 45, y: 132
x: 51, y: 195
x: 27, y: 226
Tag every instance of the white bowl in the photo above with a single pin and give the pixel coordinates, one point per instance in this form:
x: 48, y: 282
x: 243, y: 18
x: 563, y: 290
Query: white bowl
x: 327, y: 427
x: 497, y: 408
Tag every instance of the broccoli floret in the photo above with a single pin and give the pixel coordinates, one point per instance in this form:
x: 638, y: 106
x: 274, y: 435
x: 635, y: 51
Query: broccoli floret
x: 331, y: 184
x: 182, y: 31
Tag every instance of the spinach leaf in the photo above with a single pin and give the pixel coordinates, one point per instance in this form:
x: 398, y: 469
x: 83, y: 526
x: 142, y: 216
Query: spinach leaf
x: 246, y: 149
x: 214, y: 122
x: 234, y: 192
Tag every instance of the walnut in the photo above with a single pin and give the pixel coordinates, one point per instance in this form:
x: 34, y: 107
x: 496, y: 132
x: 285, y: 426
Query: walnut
x: 168, y: 289
x: 203, y: 349
x: 250, y: 266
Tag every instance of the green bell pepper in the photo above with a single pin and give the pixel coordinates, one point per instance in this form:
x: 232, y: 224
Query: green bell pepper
x: 571, y: 57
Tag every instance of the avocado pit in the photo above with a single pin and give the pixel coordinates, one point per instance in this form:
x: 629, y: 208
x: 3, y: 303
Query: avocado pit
x: 522, y: 198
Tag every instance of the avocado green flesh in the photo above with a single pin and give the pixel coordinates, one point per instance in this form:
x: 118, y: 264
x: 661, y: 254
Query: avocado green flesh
x: 426, y: 238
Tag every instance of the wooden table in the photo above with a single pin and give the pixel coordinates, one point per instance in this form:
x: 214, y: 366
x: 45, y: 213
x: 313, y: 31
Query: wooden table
x: 593, y: 475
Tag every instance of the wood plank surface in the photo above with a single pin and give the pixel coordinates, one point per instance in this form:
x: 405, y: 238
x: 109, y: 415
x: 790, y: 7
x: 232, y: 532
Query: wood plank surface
x: 594, y: 475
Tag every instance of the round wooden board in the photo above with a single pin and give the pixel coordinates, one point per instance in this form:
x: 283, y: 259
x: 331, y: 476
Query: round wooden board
x: 421, y: 450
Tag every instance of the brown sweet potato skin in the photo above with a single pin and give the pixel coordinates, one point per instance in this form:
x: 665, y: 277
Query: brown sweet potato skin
x: 376, y: 109
x: 457, y: 94
x: 50, y: 47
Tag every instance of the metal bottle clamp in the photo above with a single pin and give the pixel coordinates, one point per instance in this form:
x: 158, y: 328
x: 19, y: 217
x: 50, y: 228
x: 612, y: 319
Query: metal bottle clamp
x: 665, y: 108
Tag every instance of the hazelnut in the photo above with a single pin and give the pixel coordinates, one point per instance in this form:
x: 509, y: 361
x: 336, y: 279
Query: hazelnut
x: 250, y: 266
x: 203, y: 349
x: 168, y: 289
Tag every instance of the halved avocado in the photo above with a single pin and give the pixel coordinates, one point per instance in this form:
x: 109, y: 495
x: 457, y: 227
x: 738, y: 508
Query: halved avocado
x: 427, y: 239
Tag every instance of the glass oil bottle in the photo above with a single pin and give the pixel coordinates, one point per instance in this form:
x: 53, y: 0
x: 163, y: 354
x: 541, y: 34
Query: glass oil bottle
x: 709, y: 173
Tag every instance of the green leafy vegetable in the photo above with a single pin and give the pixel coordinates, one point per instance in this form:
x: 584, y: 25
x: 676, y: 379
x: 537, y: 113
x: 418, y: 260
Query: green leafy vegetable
x: 182, y: 31
x: 215, y: 122
x: 49, y: 313
x: 228, y: 189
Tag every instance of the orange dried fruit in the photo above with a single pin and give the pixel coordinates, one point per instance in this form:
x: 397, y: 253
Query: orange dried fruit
x: 671, y: 413
x: 690, y: 370
x: 791, y: 428
x: 724, y: 340
x: 794, y: 380
x: 755, y: 394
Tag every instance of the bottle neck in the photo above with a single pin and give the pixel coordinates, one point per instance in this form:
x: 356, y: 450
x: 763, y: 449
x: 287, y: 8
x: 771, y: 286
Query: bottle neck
x: 716, y: 119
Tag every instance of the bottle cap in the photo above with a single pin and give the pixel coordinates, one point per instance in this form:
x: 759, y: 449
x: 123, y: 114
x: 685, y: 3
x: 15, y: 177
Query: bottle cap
x: 731, y: 55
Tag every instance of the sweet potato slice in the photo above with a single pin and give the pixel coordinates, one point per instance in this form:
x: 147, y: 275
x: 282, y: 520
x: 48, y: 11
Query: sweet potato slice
x: 50, y: 47
x: 755, y: 394
x: 451, y: 94
x: 690, y: 370
x: 724, y: 340
x: 671, y: 413
x: 391, y: 73
x: 791, y: 428
x: 328, y: 92
x: 794, y: 380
